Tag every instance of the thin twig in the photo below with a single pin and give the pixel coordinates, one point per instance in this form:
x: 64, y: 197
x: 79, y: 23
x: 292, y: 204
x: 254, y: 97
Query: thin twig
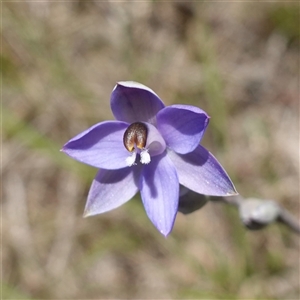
x: 290, y: 221
x: 283, y: 216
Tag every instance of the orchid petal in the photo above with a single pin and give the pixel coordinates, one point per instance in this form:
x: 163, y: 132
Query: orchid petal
x: 182, y: 127
x: 110, y: 189
x: 155, y: 142
x: 131, y: 102
x: 200, y: 172
x: 190, y: 201
x: 100, y: 146
x: 160, y: 192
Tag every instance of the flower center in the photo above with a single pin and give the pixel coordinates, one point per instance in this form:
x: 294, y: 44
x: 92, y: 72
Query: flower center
x: 135, y: 139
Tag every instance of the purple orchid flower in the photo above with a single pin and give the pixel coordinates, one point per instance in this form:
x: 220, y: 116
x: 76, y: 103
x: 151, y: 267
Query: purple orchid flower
x: 149, y: 148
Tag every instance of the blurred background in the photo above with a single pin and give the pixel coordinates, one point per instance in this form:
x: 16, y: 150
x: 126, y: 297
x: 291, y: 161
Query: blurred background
x: 60, y: 61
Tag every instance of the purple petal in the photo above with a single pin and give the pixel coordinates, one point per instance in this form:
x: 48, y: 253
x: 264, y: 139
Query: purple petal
x: 160, y: 192
x: 100, y: 146
x: 182, y: 127
x: 131, y: 102
x: 190, y: 201
x: 110, y: 189
x: 200, y: 172
x: 155, y: 142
